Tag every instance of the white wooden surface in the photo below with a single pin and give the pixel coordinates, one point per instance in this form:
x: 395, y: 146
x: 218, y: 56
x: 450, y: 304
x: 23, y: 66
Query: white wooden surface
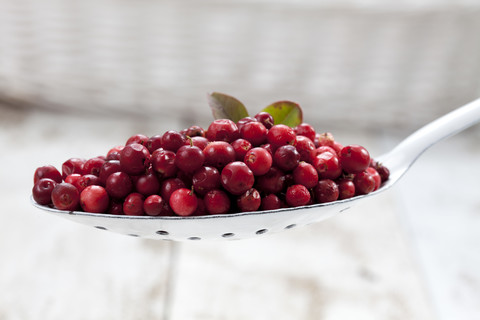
x: 411, y: 253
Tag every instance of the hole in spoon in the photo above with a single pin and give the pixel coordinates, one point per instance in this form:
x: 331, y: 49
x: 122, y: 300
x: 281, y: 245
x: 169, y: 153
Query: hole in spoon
x: 228, y: 235
x: 133, y: 235
x: 261, y: 231
x: 100, y: 227
x: 290, y: 226
x: 194, y: 238
x: 162, y: 233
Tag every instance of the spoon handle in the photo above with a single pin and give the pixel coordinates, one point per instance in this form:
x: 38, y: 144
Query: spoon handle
x: 407, y: 151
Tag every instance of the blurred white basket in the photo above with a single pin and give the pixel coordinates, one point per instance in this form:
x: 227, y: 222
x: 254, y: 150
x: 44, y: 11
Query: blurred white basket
x: 351, y: 65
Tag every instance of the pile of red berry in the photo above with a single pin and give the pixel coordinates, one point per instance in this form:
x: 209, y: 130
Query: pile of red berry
x: 231, y: 167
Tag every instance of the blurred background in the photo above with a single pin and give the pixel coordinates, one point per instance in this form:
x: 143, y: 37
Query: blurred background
x: 77, y: 78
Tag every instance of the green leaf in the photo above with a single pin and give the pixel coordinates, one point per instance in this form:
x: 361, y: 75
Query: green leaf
x: 285, y: 112
x: 226, y: 107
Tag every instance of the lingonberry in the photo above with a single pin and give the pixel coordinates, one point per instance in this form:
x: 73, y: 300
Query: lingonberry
x: 305, y: 174
x: 305, y: 130
x: 259, y: 160
x: 297, y: 195
x: 119, y: 185
x: 326, y: 191
x: 218, y: 154
x: 327, y: 165
x: 306, y: 149
x: 265, y: 118
x: 183, y: 202
x: 65, y: 196
x: 87, y: 180
x: 217, y: 202
x: 134, y: 159
x: 93, y: 166
x: 115, y: 207
x: 267, y: 147
x: 172, y: 140
x: 49, y: 172
x: 381, y: 169
x: 195, y: 131
x: 113, y: 156
x: 271, y: 182
x: 249, y: 201
x: 354, y: 159
x: 376, y: 177
x: 72, y: 165
x: 201, y: 209
x: 346, y: 188
x: 286, y: 157
x: 168, y: 186
x: 42, y: 191
x: 222, y: 130
x: 241, y: 146
x: 326, y: 139
x: 271, y: 202
x: 337, y: 146
x: 254, y: 132
x: 94, y: 199
x: 153, y: 205
x: 114, y: 150
x: 107, y: 169
x: 197, y: 141
x: 74, y: 179
x: 147, y: 184
x: 364, y: 183
x: 237, y: 178
x: 186, y: 177
x: 280, y: 135
x: 154, y: 143
x: 133, y: 204
x: 206, y: 179
x: 138, y: 138
x: 323, y: 149
x: 163, y: 163
x: 189, y: 158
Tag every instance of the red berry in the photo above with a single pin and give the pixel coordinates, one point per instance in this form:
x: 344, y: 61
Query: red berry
x: 119, y: 185
x: 376, y: 177
x: 93, y: 166
x: 94, y: 199
x: 265, y: 118
x: 134, y: 159
x: 326, y: 191
x: 133, y: 204
x: 241, y: 147
x: 271, y: 202
x: 169, y: 186
x: 280, y: 135
x: 259, y: 160
x: 163, y: 163
x: 115, y: 207
x: 346, y: 189
x: 218, y: 154
x: 87, y: 180
x: 65, y: 196
x: 154, y: 143
x: 206, y: 179
x: 240, y: 123
x: 306, y: 149
x: 305, y: 174
x: 195, y: 131
x: 216, y: 202
x: 237, y: 178
x: 172, y: 140
x: 153, y: 205
x: 72, y: 165
x: 354, y: 159
x: 197, y: 141
x: 326, y: 139
x: 327, y: 165
x: 183, y: 202
x: 42, y: 191
x: 74, y: 179
x: 222, y: 130
x: 271, y: 182
x: 249, y: 201
x: 305, y: 130
x: 147, y: 184
x: 364, y: 183
x: 189, y: 158
x: 107, y: 169
x: 297, y: 195
x: 49, y: 172
x: 137, y: 138
x: 323, y: 149
x: 286, y: 157
x: 254, y: 132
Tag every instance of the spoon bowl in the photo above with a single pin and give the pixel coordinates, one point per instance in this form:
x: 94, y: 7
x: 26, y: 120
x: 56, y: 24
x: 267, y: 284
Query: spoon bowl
x: 252, y: 224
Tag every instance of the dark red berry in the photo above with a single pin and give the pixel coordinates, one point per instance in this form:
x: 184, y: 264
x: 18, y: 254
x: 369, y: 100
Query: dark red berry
x: 183, y: 202
x: 107, y: 169
x: 189, y: 158
x: 147, y: 184
x: 249, y: 201
x: 306, y: 149
x: 154, y: 143
x: 271, y: 182
x: 254, y: 132
x: 297, y: 195
x: 115, y: 207
x: 134, y: 159
x: 271, y: 202
x: 354, y: 159
x: 376, y: 177
x: 206, y: 179
x: 138, y: 138
x: 197, y: 141
x: 153, y: 205
x: 163, y: 163
x: 326, y: 191
x: 216, y: 202
x: 305, y: 130
x: 218, y: 154
x: 42, y: 191
x: 327, y: 165
x: 259, y: 160
x: 168, y: 186
x: 119, y: 185
x: 240, y: 123
x: 346, y: 189
x: 94, y: 199
x: 237, y: 178
x: 65, y: 196
x: 280, y: 135
x: 364, y: 183
x: 72, y: 165
x: 286, y: 158
x: 87, y: 180
x: 133, y: 204
x: 172, y: 140
x: 222, y: 130
x: 265, y: 118
x: 93, y: 166
x: 195, y: 131
x: 241, y: 146
x: 305, y: 174
x: 49, y: 172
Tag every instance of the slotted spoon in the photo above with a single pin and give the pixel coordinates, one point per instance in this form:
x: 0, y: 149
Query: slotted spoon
x: 251, y: 224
